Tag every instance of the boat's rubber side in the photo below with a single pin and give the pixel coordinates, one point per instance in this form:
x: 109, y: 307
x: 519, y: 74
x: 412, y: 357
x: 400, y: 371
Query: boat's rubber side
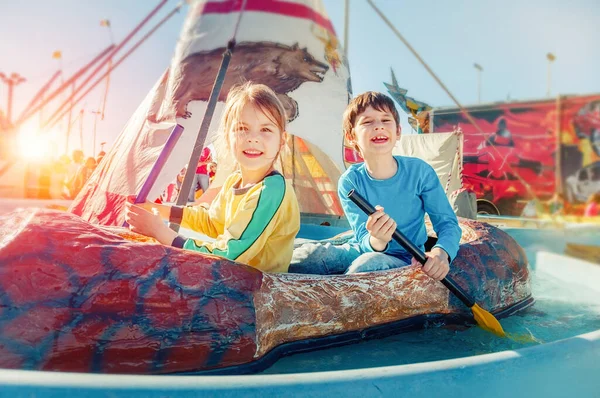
x: 78, y: 297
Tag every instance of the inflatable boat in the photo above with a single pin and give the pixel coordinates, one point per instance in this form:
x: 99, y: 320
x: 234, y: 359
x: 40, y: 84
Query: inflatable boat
x: 84, y: 298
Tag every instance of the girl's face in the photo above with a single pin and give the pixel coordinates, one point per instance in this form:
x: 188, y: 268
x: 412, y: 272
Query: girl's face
x: 256, y: 140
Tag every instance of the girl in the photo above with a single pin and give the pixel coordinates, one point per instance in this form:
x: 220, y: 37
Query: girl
x: 255, y: 216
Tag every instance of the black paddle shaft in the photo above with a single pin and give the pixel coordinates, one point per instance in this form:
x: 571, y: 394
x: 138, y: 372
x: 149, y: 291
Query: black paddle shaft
x: 412, y: 249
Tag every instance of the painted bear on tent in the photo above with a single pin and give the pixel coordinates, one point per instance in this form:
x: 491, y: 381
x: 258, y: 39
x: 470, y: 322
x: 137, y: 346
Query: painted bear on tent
x: 283, y: 68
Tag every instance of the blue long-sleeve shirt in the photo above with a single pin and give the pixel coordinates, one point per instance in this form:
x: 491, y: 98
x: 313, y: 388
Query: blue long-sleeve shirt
x: 413, y: 191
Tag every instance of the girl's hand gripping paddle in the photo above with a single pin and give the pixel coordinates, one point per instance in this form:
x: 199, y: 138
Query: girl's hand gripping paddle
x: 483, y: 318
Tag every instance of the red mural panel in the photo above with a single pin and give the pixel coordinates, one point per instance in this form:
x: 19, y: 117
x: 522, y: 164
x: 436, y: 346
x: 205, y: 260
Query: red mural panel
x: 519, y: 144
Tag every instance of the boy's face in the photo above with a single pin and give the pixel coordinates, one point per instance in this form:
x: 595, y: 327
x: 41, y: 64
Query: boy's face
x: 375, y: 132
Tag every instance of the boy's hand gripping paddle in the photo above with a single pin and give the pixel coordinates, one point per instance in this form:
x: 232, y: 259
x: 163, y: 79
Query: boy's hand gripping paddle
x: 483, y: 318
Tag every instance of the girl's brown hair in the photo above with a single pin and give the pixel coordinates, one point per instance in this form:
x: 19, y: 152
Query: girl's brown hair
x: 258, y: 95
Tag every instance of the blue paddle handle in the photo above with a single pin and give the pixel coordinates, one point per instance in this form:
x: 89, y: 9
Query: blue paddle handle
x: 412, y: 249
x: 158, y: 165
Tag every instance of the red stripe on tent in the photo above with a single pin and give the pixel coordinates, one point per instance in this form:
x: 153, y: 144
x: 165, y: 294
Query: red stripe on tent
x: 99, y: 207
x: 272, y: 6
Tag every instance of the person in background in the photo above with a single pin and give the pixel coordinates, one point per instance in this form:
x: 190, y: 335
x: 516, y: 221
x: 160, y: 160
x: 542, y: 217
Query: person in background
x: 202, y: 177
x: 100, y: 156
x: 592, y: 207
x: 556, y: 205
x: 205, y: 159
x: 64, y: 165
x: 179, y: 182
x: 83, y: 175
x: 73, y: 167
x: 212, y: 171
x: 532, y: 209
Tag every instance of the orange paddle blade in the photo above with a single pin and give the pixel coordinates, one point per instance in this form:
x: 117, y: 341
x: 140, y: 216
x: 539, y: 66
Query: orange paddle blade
x: 487, y: 321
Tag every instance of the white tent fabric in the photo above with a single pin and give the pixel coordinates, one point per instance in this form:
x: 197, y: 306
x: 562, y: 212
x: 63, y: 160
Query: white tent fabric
x: 443, y: 151
x: 288, y: 45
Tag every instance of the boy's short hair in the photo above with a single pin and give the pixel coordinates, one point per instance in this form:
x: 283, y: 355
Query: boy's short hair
x: 378, y: 101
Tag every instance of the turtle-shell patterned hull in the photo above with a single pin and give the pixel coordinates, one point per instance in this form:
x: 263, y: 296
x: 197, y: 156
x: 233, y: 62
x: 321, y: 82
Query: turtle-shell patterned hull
x: 79, y: 297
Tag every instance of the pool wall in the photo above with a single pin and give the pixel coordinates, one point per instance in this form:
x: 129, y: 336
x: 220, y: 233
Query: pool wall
x: 564, y: 368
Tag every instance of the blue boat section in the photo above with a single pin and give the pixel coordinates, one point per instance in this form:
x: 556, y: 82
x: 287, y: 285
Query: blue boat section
x: 568, y: 367
x: 319, y: 226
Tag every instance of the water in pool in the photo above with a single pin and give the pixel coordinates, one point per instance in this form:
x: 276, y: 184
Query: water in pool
x: 561, y: 311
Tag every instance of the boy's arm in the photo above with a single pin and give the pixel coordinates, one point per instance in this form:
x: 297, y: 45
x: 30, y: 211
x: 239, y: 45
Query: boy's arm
x: 440, y: 212
x: 249, y: 230
x: 356, y: 217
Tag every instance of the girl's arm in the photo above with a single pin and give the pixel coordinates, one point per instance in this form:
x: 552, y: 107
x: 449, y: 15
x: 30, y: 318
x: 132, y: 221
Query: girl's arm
x: 251, y: 226
x: 198, y: 218
x: 147, y: 219
x: 163, y: 211
x: 148, y: 223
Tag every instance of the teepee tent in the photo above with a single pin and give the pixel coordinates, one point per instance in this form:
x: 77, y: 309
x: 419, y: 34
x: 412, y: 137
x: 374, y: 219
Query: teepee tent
x: 290, y: 46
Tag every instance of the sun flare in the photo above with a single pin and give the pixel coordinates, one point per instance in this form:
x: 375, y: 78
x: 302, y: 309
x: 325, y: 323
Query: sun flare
x: 33, y: 145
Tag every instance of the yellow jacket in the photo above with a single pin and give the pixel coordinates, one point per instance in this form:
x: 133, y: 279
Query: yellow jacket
x: 255, y: 225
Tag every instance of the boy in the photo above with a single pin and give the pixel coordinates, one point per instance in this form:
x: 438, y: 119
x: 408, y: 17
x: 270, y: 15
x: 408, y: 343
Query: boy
x: 405, y: 187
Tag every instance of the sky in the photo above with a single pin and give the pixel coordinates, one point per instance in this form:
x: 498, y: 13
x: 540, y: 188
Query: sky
x: 509, y: 39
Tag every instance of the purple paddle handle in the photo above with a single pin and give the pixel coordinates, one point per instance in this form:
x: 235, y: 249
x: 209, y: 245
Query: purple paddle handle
x: 158, y: 165
x: 160, y: 162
